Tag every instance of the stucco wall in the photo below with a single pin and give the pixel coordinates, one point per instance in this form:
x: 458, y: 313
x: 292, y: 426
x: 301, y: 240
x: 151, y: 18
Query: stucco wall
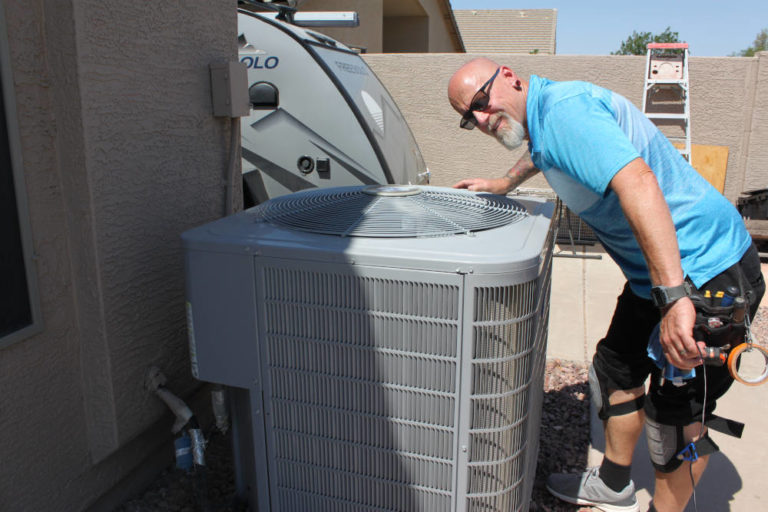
x: 120, y: 155
x: 729, y: 107
x: 756, y: 175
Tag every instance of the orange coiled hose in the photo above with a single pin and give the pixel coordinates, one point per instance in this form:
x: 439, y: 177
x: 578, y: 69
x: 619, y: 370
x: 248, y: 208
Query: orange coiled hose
x: 733, y: 359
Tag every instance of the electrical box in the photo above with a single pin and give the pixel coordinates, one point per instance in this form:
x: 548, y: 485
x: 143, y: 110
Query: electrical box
x: 229, y: 89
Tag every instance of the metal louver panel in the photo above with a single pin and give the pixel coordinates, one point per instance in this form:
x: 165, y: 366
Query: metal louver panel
x: 390, y: 211
x: 363, y: 375
x: 504, y: 332
x: 538, y: 360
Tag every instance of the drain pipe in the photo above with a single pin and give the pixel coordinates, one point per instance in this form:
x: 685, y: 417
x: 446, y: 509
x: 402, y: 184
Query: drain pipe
x: 156, y: 382
x: 190, y: 444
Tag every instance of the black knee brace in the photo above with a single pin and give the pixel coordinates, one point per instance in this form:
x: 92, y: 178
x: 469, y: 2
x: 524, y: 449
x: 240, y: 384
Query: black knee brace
x: 668, y: 448
x: 599, y: 394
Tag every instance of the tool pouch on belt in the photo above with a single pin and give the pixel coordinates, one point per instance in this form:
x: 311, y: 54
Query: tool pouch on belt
x: 718, y: 325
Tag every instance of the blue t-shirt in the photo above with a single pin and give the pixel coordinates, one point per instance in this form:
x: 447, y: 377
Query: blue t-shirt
x: 581, y: 135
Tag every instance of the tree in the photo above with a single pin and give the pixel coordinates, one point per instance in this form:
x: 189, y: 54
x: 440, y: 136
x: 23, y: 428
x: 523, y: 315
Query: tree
x: 635, y: 44
x: 759, y: 45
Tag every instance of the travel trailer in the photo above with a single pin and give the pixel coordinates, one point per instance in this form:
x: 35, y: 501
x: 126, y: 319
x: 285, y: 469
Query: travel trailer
x: 319, y: 115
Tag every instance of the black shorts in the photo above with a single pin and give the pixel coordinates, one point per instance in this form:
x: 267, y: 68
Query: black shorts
x: 621, y: 359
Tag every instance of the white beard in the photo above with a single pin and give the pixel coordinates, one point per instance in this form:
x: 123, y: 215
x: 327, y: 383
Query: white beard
x: 512, y: 135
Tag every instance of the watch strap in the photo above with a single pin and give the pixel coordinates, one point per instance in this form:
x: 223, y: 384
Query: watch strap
x: 663, y: 296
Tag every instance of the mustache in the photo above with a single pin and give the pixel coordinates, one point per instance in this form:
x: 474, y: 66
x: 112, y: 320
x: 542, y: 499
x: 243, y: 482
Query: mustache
x: 494, y: 118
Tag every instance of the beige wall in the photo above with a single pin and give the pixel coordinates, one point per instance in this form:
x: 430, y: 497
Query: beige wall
x: 729, y: 104
x: 120, y: 155
x: 756, y: 126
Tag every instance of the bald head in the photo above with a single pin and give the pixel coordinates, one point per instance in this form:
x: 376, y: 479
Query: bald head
x: 500, y: 108
x: 467, y: 80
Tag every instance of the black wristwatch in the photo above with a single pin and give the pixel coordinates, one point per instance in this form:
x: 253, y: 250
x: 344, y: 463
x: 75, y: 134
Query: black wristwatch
x: 663, y: 296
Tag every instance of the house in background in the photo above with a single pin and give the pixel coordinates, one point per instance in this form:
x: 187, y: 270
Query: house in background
x: 508, y: 30
x: 395, y: 26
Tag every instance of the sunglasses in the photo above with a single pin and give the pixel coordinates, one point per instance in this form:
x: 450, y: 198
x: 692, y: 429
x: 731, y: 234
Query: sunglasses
x: 479, y: 102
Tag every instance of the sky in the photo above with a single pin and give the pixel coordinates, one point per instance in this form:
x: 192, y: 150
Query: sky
x: 597, y: 27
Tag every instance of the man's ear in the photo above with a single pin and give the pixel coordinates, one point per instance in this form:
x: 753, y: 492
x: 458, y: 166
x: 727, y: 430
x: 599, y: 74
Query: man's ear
x: 510, y: 75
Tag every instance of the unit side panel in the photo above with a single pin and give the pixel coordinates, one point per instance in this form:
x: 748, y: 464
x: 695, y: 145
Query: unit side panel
x: 362, y: 366
x: 539, y: 359
x: 500, y: 372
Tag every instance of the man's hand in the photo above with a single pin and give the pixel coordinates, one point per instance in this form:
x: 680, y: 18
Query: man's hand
x: 521, y: 171
x: 676, y: 336
x: 495, y: 186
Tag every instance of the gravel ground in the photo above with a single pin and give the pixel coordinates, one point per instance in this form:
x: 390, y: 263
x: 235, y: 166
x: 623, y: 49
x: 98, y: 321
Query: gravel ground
x: 564, y: 436
x: 563, y: 446
x: 177, y: 491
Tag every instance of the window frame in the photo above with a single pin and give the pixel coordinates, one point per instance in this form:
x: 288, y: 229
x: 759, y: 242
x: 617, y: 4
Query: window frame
x: 19, y: 189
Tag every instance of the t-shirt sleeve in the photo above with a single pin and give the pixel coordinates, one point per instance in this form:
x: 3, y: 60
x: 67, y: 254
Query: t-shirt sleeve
x: 582, y: 139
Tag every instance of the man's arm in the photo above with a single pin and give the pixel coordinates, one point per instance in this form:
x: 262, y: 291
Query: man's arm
x: 648, y: 215
x: 519, y: 172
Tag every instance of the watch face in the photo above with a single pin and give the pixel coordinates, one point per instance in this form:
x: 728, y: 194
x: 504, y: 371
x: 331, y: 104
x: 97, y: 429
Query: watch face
x: 658, y: 296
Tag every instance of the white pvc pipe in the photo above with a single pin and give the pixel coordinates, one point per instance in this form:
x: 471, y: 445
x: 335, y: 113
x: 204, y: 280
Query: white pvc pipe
x: 177, y: 405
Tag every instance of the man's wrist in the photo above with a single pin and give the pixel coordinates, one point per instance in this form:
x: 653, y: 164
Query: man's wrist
x: 510, y: 182
x: 664, y: 296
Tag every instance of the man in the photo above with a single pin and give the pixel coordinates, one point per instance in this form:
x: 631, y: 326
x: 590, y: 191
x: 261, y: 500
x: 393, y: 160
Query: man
x: 674, y: 237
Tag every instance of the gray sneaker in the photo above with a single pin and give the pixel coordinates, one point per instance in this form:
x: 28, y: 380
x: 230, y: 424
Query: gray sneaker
x: 588, y: 489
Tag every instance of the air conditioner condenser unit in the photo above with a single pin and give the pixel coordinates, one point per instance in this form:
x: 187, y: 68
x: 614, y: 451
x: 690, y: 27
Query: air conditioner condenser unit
x: 384, y: 346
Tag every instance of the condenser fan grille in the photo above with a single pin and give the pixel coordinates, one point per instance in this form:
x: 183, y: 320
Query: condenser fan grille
x: 390, y: 211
